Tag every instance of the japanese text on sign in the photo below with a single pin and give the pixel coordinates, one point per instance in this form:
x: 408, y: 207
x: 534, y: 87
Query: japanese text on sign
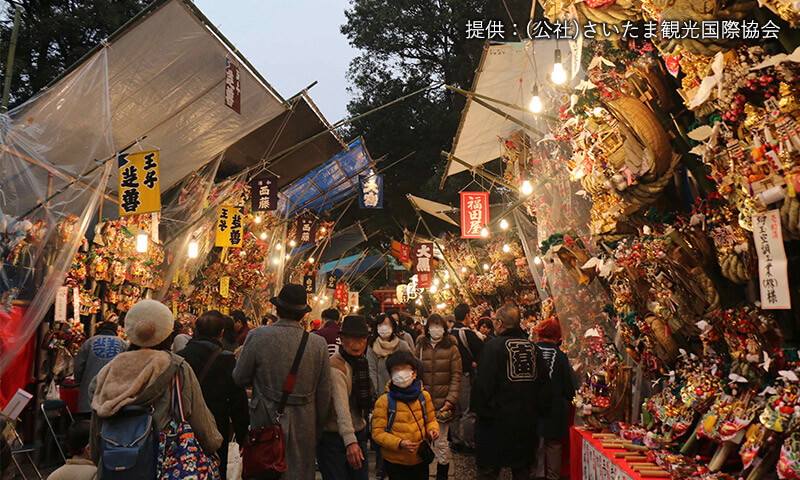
x: 230, y: 229
x: 233, y: 87
x: 474, y: 213
x: 264, y: 193
x: 371, y: 191
x: 773, y: 278
x: 139, y: 187
x: 310, y: 282
x: 306, y: 230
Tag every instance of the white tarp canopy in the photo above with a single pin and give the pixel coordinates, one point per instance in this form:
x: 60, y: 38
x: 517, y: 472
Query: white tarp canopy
x: 433, y: 208
x: 506, y: 73
x: 162, y: 78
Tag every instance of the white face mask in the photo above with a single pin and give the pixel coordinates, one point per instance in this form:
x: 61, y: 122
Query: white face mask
x: 385, y: 331
x: 436, y: 333
x: 402, y: 378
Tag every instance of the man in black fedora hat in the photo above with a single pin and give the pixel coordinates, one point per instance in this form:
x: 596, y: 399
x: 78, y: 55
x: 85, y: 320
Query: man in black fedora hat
x: 342, y: 451
x: 265, y: 362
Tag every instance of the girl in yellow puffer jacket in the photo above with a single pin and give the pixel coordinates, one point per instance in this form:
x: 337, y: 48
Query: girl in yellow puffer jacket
x: 403, y: 419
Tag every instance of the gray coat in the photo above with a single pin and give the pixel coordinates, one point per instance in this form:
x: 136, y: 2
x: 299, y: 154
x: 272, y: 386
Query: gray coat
x: 377, y: 367
x: 265, y: 361
x: 94, y: 354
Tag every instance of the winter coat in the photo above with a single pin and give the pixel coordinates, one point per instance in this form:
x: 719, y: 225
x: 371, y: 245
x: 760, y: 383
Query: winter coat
x: 511, y: 390
x: 377, y: 363
x: 469, y: 346
x: 226, y: 400
x: 144, y: 377
x: 562, y: 377
x: 330, y: 332
x: 94, y: 354
x: 75, y: 469
x: 265, y: 362
x: 441, y: 369
x: 344, y: 417
x: 403, y: 428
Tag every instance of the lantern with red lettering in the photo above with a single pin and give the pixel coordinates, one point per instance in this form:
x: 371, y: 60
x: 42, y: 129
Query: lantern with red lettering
x: 474, y: 213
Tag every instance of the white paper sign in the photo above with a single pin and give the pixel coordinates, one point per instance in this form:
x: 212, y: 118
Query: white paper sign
x: 76, y: 303
x: 773, y: 278
x: 353, y: 300
x: 16, y: 404
x: 154, y: 226
x: 61, y: 304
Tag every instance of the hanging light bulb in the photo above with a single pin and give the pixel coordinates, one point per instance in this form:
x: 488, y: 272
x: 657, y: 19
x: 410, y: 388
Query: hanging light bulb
x: 287, y: 256
x: 418, y: 302
x: 486, y: 266
x: 506, y: 248
x: 537, y: 260
x: 559, y: 75
x: 526, y: 188
x: 447, y: 286
x: 463, y: 269
x: 315, y: 298
x: 446, y: 275
x: 436, y: 281
x: 323, y: 229
x: 484, y: 232
x: 278, y: 246
x: 141, y: 242
x: 193, y: 249
x: 434, y: 288
x: 292, y: 243
x: 276, y: 261
x: 257, y: 219
x: 263, y: 235
x: 310, y: 259
x: 536, y: 103
x: 504, y: 224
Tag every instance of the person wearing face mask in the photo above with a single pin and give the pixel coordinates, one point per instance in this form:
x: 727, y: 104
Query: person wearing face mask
x: 403, y: 419
x: 385, y: 342
x: 437, y: 351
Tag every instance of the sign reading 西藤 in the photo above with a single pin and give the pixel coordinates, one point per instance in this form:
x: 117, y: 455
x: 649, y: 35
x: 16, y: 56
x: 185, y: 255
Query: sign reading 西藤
x: 310, y: 282
x: 306, y: 230
x: 773, y: 278
x: 139, y: 187
x: 230, y: 229
x: 264, y: 193
x: 423, y: 263
x: 233, y: 87
x: 474, y: 213
x: 370, y: 191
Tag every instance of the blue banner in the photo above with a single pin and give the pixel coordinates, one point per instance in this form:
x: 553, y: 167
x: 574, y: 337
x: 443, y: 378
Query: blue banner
x: 370, y: 191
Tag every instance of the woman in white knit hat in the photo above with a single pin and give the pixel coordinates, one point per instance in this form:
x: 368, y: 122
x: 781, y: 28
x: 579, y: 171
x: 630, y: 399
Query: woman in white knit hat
x: 143, y: 376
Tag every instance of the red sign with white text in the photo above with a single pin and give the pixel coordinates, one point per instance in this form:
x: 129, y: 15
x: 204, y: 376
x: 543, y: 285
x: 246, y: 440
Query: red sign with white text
x: 474, y: 213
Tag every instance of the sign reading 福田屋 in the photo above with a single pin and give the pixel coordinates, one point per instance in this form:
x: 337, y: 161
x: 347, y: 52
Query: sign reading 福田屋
x: 233, y: 87
x: 474, y: 213
x: 230, y: 229
x: 371, y: 191
x: 264, y: 193
x: 139, y: 188
x: 773, y: 278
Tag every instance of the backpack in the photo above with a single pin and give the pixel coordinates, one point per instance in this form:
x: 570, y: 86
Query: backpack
x: 392, y: 410
x: 128, y: 445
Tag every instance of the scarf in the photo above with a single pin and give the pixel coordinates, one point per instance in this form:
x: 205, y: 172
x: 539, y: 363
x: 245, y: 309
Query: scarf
x: 362, y: 386
x: 384, y: 348
x: 408, y: 394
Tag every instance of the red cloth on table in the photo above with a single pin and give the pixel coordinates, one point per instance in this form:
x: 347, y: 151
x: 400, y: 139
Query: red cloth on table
x: 20, y: 372
x: 576, y: 438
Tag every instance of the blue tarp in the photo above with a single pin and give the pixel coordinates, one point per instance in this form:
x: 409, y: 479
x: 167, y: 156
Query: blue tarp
x: 345, y: 265
x: 327, y: 184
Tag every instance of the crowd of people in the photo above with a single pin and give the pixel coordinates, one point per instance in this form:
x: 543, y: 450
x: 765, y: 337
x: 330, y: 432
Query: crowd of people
x: 474, y: 383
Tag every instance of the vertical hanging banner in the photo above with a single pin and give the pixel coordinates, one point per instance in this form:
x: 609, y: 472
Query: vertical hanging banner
x: 310, y: 282
x: 61, y: 304
x: 423, y: 263
x: 139, y: 187
x: 474, y: 213
x: 773, y: 278
x: 233, y: 87
x: 76, y: 304
x: 352, y: 301
x: 401, y: 252
x: 341, y: 294
x: 331, y: 283
x: 264, y: 193
x: 306, y: 230
x: 224, y: 286
x: 229, y: 226
x: 370, y: 191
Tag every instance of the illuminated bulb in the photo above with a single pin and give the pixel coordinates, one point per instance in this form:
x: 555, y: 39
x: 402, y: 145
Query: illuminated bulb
x: 278, y: 246
x: 597, y: 111
x: 506, y: 248
x: 537, y: 260
x: 436, y: 281
x: 559, y: 75
x: 315, y: 298
x: 446, y: 275
x: 193, y: 249
x: 141, y: 242
x: 275, y: 261
x: 287, y: 256
x: 292, y: 243
x: 463, y: 269
x: 446, y: 285
x: 486, y: 266
x: 257, y: 219
x: 484, y: 232
x: 526, y: 188
x: 323, y: 229
x: 418, y: 302
x: 536, y: 103
x: 434, y: 288
x: 263, y: 235
x: 504, y: 224
x: 310, y: 259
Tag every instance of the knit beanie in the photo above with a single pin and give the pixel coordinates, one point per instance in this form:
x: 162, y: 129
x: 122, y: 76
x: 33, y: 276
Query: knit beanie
x: 148, y: 323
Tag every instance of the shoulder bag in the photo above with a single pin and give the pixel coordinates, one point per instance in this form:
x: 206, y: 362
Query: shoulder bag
x: 264, y: 452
